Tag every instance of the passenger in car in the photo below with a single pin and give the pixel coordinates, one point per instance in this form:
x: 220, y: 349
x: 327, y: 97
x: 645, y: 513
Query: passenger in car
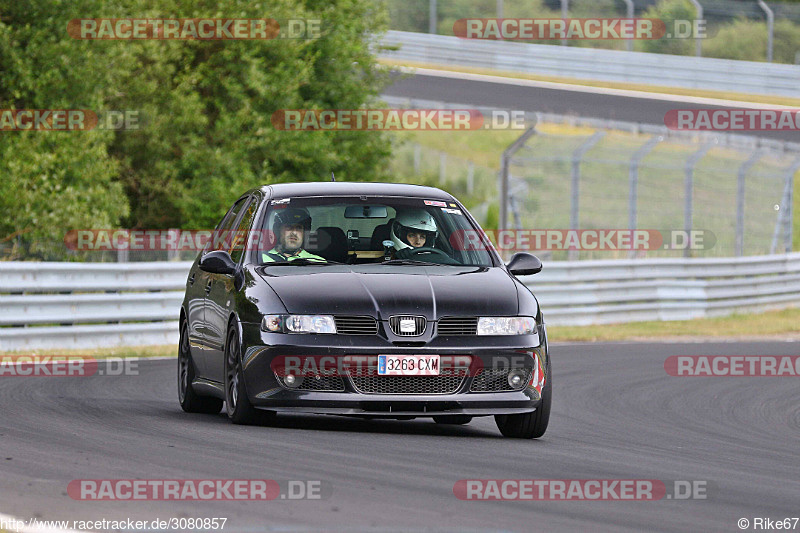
x: 290, y: 226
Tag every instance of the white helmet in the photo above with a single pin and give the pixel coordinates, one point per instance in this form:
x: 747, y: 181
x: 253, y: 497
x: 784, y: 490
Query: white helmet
x: 413, y: 220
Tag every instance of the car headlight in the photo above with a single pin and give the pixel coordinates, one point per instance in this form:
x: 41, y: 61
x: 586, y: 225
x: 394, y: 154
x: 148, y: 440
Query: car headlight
x: 298, y: 324
x: 506, y: 325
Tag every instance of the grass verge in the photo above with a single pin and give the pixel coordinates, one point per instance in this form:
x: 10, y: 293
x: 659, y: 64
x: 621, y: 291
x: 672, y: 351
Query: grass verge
x: 785, y: 322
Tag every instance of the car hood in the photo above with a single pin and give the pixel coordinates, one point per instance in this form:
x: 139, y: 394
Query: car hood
x: 382, y: 291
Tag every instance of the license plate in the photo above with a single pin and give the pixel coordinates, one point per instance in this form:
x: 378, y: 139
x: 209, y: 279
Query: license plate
x: 408, y: 365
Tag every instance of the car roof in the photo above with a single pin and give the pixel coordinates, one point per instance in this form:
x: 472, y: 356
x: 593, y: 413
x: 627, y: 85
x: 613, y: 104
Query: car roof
x: 354, y: 188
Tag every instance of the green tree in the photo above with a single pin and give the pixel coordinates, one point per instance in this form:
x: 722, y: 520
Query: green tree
x: 205, y: 107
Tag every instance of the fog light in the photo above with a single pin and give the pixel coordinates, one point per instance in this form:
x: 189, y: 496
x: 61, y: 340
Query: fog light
x: 293, y: 381
x: 516, y: 378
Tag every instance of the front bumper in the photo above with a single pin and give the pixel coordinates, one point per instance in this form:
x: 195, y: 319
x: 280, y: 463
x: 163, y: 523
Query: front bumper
x: 266, y: 391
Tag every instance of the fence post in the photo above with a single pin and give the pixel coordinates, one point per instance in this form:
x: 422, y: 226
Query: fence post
x: 633, y: 182
x: 785, y: 211
x: 442, y: 168
x: 505, y: 163
x: 629, y: 6
x: 575, y: 175
x: 470, y: 178
x: 432, y: 16
x: 740, y: 194
x: 698, y: 43
x: 499, y: 9
x: 417, y: 154
x: 770, y: 27
x: 689, y: 188
x: 789, y: 216
x: 564, y: 14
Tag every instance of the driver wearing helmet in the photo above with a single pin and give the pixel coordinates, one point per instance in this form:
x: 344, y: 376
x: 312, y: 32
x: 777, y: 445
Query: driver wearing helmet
x: 412, y: 229
x: 290, y: 227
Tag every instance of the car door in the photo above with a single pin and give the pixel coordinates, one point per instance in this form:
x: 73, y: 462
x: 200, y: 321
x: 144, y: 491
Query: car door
x: 195, y: 308
x: 202, y: 285
x: 221, y: 297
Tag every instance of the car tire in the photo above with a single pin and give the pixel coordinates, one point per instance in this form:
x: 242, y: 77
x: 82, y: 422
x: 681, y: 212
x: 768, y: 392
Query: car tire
x: 528, y: 425
x: 190, y: 401
x: 237, y: 404
x: 453, y: 419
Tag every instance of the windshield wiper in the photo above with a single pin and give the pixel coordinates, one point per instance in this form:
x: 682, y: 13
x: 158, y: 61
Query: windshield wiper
x: 302, y: 262
x: 409, y: 262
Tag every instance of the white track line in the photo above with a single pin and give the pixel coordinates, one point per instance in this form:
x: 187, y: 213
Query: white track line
x: 698, y: 100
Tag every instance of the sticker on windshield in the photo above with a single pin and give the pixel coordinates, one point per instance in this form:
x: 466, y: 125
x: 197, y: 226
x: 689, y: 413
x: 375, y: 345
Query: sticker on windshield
x: 435, y: 203
x: 453, y: 205
x: 452, y: 211
x: 281, y: 201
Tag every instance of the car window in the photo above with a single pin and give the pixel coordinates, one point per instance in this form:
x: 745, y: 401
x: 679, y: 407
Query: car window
x: 220, y: 240
x: 354, y: 230
x: 238, y: 237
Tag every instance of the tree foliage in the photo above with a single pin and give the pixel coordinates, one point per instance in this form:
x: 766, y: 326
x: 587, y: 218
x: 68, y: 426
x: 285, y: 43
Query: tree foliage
x: 204, y: 108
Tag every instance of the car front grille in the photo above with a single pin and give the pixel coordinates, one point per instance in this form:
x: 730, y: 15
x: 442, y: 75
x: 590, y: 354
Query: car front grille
x: 407, y: 384
x: 458, y: 325
x: 419, y: 325
x: 356, y: 325
x: 496, y: 380
x: 316, y: 383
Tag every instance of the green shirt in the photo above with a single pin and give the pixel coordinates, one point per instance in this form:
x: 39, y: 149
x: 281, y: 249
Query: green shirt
x: 275, y: 255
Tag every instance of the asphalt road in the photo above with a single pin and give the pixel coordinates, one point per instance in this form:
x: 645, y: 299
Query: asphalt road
x: 550, y: 100
x: 616, y: 415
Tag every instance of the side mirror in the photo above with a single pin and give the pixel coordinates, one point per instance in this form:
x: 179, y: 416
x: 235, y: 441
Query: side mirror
x: 218, y: 262
x: 523, y: 264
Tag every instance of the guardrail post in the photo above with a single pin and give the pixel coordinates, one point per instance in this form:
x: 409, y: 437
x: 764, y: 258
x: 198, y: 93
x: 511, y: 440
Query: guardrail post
x: 432, y: 16
x: 689, y: 188
x: 629, y: 6
x: 698, y: 43
x: 505, y: 163
x: 564, y: 14
x: 770, y: 27
x: 633, y: 182
x: 740, y: 194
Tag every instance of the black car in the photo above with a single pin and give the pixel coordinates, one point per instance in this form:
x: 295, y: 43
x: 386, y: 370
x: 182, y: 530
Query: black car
x: 362, y: 299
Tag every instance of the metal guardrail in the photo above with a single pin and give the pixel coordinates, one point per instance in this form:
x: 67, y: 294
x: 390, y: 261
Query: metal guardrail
x: 49, y: 305
x: 594, y: 64
x: 89, y: 305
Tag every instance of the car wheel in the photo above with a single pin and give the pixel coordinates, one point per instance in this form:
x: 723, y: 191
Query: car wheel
x: 453, y: 419
x: 237, y: 404
x: 190, y: 401
x: 528, y: 425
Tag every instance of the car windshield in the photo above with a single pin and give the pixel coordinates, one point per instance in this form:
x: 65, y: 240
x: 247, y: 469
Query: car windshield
x: 377, y: 230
